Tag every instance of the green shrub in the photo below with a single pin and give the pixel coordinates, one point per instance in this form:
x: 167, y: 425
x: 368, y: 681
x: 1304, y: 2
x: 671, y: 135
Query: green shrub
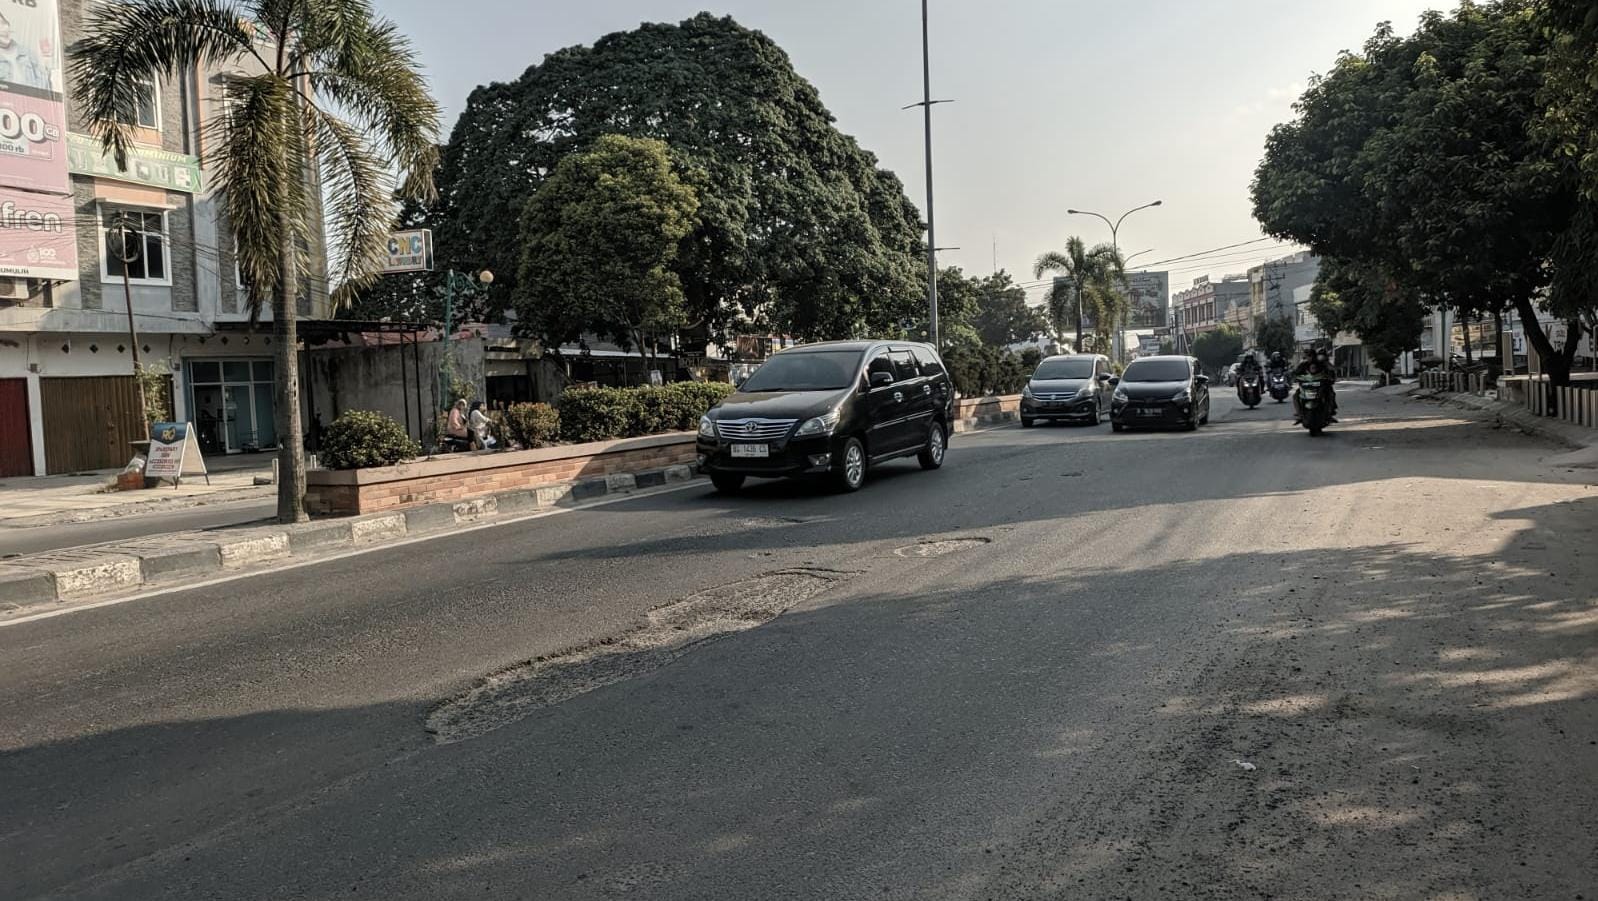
x: 529, y: 425
x: 601, y: 414
x: 362, y: 438
x: 598, y: 414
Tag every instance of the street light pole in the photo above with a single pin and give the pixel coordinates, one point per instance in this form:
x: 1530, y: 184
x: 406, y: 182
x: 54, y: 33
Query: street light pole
x: 128, y: 257
x: 1115, y: 242
x: 926, y: 105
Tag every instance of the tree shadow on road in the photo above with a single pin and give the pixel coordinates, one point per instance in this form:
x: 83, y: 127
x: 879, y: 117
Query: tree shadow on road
x: 1421, y: 725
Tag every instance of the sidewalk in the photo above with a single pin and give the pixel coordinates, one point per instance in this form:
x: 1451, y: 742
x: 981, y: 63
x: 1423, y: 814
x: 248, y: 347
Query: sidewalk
x: 52, y: 500
x: 1582, y: 441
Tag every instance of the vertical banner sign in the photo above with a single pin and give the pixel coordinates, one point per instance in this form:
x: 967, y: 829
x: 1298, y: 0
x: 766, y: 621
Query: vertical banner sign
x: 37, y: 239
x: 33, y: 118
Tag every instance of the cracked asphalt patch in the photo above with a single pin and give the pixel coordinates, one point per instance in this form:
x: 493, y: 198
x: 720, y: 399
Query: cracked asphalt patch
x: 941, y: 547
x: 667, y: 633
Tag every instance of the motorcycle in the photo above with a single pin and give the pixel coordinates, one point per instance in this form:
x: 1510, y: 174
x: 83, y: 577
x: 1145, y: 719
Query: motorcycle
x: 1278, y: 384
x: 1314, y: 405
x: 1248, y: 389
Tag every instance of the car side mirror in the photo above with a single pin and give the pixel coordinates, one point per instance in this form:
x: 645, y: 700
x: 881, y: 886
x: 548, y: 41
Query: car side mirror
x: 1106, y: 377
x: 881, y: 379
x: 1114, y: 380
x: 1203, y: 380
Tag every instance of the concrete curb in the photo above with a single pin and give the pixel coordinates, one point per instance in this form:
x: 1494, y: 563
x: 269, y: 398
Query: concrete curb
x: 34, y: 581
x: 985, y: 421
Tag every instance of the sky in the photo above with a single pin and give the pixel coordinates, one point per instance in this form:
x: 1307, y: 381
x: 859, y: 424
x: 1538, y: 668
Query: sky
x: 1058, y: 104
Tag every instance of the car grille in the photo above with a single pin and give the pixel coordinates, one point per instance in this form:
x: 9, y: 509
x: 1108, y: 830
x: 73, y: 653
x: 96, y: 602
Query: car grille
x: 754, y: 429
x: 1055, y: 398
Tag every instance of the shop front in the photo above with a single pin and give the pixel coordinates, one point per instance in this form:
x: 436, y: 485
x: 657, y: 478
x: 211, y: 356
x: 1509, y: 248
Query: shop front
x: 231, y: 402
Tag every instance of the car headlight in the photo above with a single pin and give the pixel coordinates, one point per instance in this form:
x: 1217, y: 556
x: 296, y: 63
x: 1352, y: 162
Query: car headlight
x: 1026, y: 392
x: 821, y: 425
x: 1121, y: 395
x: 1183, y: 396
x: 1085, y: 390
x: 707, y: 427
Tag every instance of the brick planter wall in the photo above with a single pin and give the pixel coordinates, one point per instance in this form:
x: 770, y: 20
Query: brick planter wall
x: 975, y: 412
x: 461, y: 476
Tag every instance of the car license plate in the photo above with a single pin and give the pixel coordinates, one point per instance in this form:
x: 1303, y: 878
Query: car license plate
x: 1150, y: 412
x: 748, y: 451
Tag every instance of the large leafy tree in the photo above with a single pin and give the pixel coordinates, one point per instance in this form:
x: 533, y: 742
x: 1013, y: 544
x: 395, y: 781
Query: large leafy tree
x: 1418, y: 159
x: 329, y: 108
x: 989, y: 310
x: 1086, y: 287
x: 798, y: 228
x: 1351, y: 298
x: 598, y: 241
x: 1276, y: 335
x: 1218, y: 348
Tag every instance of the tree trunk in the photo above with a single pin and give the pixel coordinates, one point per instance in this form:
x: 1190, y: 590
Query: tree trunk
x: 1555, y: 363
x: 1078, y: 348
x: 1505, y: 366
x: 1464, y: 327
x: 286, y: 351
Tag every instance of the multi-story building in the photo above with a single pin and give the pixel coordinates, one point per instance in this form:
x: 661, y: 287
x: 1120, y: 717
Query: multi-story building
x: 1209, y: 304
x: 75, y: 301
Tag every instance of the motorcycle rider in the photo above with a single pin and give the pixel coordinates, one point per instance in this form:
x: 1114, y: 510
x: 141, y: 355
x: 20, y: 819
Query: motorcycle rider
x: 1316, y: 364
x: 1278, y: 363
x: 1247, y: 364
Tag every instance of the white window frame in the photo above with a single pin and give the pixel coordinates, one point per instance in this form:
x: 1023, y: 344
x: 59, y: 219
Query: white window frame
x: 106, y: 276
x: 155, y: 94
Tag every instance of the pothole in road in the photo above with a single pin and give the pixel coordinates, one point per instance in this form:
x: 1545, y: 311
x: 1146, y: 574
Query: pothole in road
x: 940, y: 547
x: 666, y: 634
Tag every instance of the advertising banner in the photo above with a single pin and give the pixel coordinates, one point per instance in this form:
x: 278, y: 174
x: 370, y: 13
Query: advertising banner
x: 33, y: 119
x: 146, y: 165
x: 37, y: 238
x: 409, y: 251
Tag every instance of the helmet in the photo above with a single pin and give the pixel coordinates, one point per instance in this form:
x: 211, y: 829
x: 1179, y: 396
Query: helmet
x: 1276, y: 356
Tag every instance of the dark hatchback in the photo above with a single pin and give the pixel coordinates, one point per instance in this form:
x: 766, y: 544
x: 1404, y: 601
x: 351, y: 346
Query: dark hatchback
x: 1070, y: 388
x: 830, y: 410
x: 1161, y: 392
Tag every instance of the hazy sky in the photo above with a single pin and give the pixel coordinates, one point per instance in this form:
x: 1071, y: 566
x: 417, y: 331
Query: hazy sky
x: 1059, y: 103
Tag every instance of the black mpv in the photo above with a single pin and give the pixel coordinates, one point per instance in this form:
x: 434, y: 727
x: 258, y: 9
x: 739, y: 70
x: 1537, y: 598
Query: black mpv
x: 831, y: 410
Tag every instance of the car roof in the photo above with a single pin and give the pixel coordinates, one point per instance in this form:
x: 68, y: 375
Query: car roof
x: 850, y: 345
x: 1164, y: 357
x: 1074, y: 357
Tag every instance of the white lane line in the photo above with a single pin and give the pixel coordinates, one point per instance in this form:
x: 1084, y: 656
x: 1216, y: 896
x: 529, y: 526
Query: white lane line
x: 341, y: 555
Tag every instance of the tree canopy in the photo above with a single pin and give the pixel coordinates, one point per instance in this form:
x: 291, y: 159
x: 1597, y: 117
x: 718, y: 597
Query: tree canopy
x: 798, y: 228
x: 598, y: 241
x: 1418, y: 164
x: 1088, y: 288
x: 1218, y: 348
x: 1275, y: 334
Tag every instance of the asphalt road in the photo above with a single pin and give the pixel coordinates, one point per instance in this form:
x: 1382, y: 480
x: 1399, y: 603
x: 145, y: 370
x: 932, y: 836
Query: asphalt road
x: 37, y: 539
x: 1237, y: 663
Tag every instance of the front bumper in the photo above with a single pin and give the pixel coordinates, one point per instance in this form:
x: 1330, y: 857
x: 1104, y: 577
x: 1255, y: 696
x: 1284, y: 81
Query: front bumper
x: 1084, y: 409
x: 789, y: 457
x: 1143, y: 414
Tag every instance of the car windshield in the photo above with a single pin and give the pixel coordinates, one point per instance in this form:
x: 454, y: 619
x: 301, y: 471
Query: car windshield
x: 1064, y: 369
x: 1156, y: 371
x: 828, y: 370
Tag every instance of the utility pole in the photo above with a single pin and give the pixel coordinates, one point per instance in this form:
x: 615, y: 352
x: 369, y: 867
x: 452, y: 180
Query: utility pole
x: 129, y: 255
x: 1115, y: 242
x: 932, y: 235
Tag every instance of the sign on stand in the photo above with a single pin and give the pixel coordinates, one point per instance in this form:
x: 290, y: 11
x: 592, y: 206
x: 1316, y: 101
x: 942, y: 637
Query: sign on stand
x: 174, y: 453
x: 409, y: 251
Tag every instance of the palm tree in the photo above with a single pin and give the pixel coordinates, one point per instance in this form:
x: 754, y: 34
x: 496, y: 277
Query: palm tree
x: 1082, y: 271
x: 330, y: 119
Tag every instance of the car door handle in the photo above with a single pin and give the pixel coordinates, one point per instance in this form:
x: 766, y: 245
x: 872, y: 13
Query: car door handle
x: 898, y: 397
x: 926, y: 389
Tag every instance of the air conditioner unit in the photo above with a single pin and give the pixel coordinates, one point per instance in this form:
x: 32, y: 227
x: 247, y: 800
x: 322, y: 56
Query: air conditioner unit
x: 13, y: 289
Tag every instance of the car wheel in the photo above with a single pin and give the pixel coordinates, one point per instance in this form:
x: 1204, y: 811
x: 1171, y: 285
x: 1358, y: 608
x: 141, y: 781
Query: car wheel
x: 851, y: 472
x: 1192, y: 423
x: 1206, y: 419
x: 1116, y: 426
x: 727, y: 482
x: 931, y: 456
x: 1027, y: 422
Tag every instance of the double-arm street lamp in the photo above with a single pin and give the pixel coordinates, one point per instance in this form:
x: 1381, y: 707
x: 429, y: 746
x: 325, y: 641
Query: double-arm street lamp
x: 1115, y: 242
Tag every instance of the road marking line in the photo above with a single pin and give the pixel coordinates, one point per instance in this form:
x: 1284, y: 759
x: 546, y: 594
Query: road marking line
x: 341, y: 555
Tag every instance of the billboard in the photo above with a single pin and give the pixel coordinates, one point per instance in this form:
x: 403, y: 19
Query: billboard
x: 33, y: 119
x: 1150, y: 305
x: 146, y: 165
x: 37, y: 238
x: 409, y: 251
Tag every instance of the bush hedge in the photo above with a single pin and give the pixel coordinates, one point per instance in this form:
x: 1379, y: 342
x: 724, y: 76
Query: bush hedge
x: 602, y: 414
x: 362, y: 438
x: 528, y: 425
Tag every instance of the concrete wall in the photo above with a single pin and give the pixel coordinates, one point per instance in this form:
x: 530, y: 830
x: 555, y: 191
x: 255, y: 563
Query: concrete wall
x: 384, y: 379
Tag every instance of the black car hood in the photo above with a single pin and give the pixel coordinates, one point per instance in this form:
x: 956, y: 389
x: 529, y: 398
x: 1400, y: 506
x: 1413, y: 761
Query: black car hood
x: 1057, y: 386
x: 1152, y: 390
x: 778, y: 404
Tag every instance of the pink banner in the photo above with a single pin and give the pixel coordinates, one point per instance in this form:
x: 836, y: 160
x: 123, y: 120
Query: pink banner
x: 37, y: 237
x: 33, y: 119
x: 33, y: 147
